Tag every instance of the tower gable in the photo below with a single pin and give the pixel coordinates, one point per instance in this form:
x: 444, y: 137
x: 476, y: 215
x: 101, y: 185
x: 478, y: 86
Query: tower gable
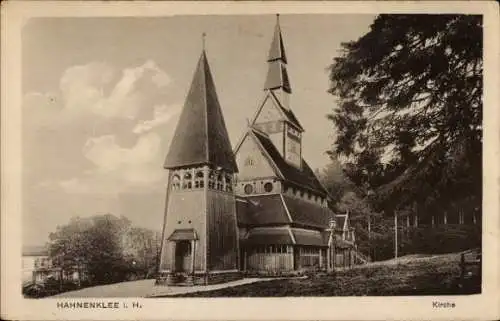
x: 268, y: 112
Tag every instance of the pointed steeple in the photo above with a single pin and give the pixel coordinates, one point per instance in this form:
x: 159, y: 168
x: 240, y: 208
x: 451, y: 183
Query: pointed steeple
x: 277, y: 50
x: 201, y: 136
x: 277, y: 76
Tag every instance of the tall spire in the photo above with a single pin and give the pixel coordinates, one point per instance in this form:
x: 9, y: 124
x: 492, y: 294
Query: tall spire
x: 277, y: 76
x: 201, y: 136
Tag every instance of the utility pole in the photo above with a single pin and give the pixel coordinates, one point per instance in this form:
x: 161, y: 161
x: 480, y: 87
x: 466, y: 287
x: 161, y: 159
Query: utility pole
x: 395, y: 234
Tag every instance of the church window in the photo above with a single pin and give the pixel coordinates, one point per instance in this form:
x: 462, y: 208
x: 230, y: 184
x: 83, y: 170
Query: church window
x: 268, y: 187
x: 176, y: 182
x: 199, y: 180
x: 211, y: 180
x: 249, y: 161
x: 301, y: 193
x: 187, y: 184
x: 220, y: 182
x: 229, y: 187
x: 248, y: 189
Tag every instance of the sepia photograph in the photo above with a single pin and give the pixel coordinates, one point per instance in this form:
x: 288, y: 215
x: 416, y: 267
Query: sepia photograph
x: 275, y: 154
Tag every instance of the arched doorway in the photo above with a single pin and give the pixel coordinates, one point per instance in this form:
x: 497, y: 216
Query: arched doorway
x: 182, y: 256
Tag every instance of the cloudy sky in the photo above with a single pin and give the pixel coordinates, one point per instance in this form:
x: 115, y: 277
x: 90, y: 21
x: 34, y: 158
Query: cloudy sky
x: 101, y: 98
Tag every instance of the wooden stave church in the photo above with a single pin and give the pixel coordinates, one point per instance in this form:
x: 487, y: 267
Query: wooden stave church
x: 259, y: 209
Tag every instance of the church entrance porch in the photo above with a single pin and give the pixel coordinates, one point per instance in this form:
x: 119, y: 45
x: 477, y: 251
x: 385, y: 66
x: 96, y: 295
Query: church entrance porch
x: 183, y: 257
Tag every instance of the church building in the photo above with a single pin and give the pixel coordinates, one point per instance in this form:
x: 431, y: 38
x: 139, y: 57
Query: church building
x: 256, y: 209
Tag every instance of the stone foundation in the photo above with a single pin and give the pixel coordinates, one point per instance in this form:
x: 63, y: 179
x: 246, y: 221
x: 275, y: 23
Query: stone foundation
x: 181, y: 279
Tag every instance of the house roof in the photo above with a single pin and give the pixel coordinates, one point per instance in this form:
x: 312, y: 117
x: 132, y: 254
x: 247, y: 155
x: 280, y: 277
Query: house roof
x: 306, y: 213
x: 183, y: 235
x: 268, y: 236
x: 301, y: 176
x: 201, y: 136
x: 281, y: 209
x: 262, y: 210
x: 309, y: 237
x: 37, y: 250
x: 284, y: 235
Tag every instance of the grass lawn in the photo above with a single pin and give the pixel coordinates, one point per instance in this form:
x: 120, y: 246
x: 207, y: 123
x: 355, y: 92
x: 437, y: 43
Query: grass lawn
x: 411, y: 275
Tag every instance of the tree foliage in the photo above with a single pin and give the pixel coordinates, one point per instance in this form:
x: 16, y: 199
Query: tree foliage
x: 409, y: 114
x: 106, y: 246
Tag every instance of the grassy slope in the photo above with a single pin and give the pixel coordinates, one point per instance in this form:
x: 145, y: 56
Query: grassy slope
x: 411, y: 275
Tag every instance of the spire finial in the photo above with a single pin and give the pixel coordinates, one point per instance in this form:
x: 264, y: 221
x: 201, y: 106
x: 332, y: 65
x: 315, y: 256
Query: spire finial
x: 203, y: 36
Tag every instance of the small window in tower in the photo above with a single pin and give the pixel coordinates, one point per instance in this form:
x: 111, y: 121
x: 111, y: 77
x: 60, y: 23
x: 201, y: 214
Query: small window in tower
x: 220, y: 182
x: 268, y: 187
x: 199, y: 180
x: 176, y: 182
x: 187, y: 182
x: 229, y: 183
x: 248, y: 189
x: 211, y: 180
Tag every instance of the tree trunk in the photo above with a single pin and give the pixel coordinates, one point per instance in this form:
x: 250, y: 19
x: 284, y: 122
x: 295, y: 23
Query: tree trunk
x: 395, y: 235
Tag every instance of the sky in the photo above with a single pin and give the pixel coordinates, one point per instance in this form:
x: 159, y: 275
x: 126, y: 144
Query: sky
x: 102, y: 96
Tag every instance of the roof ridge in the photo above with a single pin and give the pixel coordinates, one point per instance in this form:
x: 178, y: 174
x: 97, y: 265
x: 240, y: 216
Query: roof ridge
x: 205, y: 98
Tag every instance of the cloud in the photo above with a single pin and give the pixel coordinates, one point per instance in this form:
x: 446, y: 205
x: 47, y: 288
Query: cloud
x: 106, y: 154
x: 162, y: 115
x: 97, y: 127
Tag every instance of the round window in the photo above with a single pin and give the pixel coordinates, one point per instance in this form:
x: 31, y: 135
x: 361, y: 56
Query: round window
x: 248, y: 189
x: 268, y: 187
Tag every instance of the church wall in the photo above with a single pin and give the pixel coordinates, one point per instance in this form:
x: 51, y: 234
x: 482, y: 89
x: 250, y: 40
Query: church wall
x: 251, y: 161
x: 270, y: 258
x: 222, y: 249
x: 304, y: 195
x: 185, y: 210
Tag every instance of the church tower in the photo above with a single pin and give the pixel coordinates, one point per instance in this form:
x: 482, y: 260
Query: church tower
x: 283, y: 213
x: 200, y: 241
x: 275, y: 116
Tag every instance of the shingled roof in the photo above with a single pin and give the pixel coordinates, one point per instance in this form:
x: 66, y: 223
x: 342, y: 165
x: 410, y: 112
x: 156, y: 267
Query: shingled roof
x: 262, y: 210
x: 276, y: 209
x: 201, y: 136
x: 277, y: 76
x: 303, y: 176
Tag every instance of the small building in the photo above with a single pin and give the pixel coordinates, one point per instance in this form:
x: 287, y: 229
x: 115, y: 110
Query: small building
x: 37, y: 265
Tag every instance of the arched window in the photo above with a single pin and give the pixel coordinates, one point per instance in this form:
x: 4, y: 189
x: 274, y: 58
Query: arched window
x: 187, y: 181
x: 176, y: 182
x: 199, y: 180
x: 220, y: 182
x: 211, y: 180
x: 229, y: 183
